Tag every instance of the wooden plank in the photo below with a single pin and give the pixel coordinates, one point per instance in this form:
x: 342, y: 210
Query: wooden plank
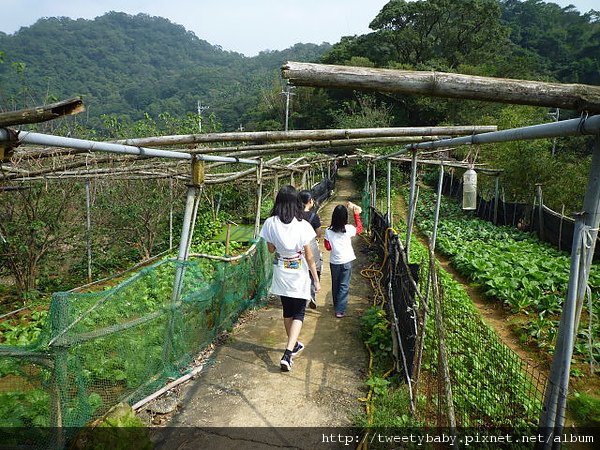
x: 578, y: 97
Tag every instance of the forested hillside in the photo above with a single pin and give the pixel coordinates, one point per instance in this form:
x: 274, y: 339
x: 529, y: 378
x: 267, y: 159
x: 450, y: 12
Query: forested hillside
x: 127, y: 65
x: 142, y: 75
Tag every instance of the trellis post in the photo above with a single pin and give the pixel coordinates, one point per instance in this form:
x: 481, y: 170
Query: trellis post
x: 496, y: 199
x: 374, y: 191
x: 170, y: 213
x: 368, y: 184
x: 88, y: 229
x: 59, y: 320
x: 425, y: 304
x: 540, y: 202
x: 560, y: 227
x: 187, y: 229
x: 259, y: 181
x: 389, y: 192
x: 437, y: 207
x: 586, y: 228
x: 412, y: 202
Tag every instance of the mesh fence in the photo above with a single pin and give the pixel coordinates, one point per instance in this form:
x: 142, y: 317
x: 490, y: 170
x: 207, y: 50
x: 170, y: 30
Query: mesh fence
x: 401, y: 291
x: 491, y: 385
x: 322, y: 190
x: 121, y: 344
x: 550, y: 226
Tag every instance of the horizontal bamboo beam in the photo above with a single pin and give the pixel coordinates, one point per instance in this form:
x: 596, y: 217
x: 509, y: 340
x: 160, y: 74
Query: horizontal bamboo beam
x: 295, y: 135
x: 453, y: 164
x: 578, y: 97
x: 262, y: 149
x: 42, y: 113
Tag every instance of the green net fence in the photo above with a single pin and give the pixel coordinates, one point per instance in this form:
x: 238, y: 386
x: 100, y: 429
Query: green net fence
x: 121, y: 344
x: 366, y: 206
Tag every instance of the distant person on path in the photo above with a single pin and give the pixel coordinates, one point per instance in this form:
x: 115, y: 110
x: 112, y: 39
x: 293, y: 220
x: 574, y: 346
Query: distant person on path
x: 338, y: 240
x: 289, y: 237
x: 313, y: 218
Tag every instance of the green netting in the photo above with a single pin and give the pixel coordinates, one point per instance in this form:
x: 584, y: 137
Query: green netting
x: 366, y: 206
x: 121, y: 344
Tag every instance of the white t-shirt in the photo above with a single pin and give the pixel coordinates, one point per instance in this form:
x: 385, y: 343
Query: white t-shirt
x: 341, y: 245
x: 290, y: 269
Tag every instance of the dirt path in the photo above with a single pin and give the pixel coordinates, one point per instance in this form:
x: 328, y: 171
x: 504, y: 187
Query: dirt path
x: 244, y: 387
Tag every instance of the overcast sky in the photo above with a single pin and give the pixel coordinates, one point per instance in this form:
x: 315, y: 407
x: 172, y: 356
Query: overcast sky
x: 244, y: 26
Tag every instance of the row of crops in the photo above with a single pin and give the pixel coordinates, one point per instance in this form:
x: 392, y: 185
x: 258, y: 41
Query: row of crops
x: 528, y: 276
x: 491, y: 386
x: 93, y: 350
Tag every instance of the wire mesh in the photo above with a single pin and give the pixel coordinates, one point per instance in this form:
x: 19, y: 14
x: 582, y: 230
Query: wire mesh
x: 491, y: 385
x: 121, y: 344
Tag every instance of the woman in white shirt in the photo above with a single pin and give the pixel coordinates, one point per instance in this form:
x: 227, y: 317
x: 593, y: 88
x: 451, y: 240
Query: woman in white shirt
x: 338, y: 240
x: 289, y: 237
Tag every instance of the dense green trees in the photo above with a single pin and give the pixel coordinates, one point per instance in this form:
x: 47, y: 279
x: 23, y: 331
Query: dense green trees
x: 510, y: 38
x: 561, y: 43
x: 127, y: 66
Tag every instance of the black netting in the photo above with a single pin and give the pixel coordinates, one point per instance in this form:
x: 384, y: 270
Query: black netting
x: 554, y: 228
x: 400, y: 289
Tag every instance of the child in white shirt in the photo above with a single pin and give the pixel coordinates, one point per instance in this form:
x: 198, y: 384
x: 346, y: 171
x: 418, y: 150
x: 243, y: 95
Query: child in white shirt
x: 338, y: 240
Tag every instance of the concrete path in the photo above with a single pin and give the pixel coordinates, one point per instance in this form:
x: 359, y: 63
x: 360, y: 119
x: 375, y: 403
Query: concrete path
x: 244, y: 386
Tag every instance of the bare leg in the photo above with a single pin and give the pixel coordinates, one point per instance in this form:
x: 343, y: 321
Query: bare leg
x: 292, y: 329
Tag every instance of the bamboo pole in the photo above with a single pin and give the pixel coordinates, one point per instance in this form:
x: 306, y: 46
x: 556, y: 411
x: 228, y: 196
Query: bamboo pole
x: 315, y: 144
x: 324, y: 134
x: 88, y: 229
x: 412, y: 203
x: 168, y: 387
x: 42, y: 113
x: 443, y: 356
x: 259, y: 192
x: 438, y: 84
x: 448, y: 163
x: 540, y: 201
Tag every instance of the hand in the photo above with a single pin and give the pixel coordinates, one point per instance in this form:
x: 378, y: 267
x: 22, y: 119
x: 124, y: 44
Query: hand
x: 317, y: 285
x: 354, y: 207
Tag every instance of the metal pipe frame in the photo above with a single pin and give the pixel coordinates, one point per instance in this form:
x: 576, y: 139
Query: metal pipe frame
x: 28, y: 137
x: 572, y: 127
x: 553, y: 416
x: 412, y: 205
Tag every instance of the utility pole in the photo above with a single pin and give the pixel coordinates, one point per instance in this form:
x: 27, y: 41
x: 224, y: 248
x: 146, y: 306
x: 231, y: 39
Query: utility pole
x: 287, y: 94
x: 200, y: 109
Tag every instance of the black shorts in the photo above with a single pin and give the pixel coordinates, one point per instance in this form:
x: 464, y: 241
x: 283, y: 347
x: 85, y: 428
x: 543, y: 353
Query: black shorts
x: 293, y: 307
